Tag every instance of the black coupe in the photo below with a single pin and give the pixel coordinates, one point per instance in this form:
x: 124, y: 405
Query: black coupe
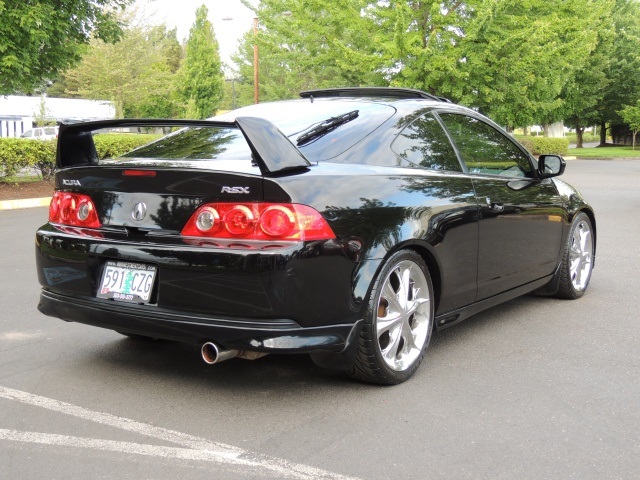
x: 348, y: 224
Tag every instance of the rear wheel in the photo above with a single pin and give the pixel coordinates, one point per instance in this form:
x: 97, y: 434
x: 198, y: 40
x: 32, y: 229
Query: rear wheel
x: 398, y: 323
x: 577, y: 260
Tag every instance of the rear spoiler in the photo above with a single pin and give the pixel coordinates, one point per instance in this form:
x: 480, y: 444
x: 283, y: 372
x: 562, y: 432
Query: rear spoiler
x: 272, y: 151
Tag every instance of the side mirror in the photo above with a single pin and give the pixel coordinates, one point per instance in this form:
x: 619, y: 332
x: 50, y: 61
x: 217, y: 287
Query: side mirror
x: 550, y: 166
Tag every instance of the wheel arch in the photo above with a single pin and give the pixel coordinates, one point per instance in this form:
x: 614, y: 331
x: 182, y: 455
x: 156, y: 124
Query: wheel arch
x: 366, y: 276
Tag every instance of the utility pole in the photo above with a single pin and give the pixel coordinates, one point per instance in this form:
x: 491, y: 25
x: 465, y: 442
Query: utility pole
x: 256, y: 86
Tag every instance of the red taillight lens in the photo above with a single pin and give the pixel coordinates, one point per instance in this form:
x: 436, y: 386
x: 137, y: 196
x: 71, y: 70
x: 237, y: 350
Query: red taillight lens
x: 277, y: 221
x: 258, y: 221
x: 73, y: 209
x: 239, y: 221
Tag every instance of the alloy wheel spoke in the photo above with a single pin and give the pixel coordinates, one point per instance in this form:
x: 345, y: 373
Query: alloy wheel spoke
x: 391, y: 352
x: 388, y: 322
x: 391, y: 296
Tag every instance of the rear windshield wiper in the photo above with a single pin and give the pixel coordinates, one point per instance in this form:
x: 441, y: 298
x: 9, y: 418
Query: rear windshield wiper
x: 325, y: 127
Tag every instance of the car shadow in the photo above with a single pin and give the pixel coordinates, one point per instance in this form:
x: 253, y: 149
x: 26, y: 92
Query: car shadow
x: 173, y: 360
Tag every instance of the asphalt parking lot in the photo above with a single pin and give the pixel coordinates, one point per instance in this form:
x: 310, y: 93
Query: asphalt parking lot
x: 535, y: 388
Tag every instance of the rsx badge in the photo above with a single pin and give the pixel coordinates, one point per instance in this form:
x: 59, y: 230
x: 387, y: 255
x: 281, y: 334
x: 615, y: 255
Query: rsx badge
x: 235, y: 190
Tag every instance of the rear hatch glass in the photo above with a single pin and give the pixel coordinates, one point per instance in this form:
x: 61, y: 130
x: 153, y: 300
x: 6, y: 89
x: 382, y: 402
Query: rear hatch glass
x: 293, y: 118
x: 204, y: 143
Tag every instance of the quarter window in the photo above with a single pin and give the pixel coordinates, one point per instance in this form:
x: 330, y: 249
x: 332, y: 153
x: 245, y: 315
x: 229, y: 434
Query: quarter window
x: 424, y: 143
x: 484, y: 149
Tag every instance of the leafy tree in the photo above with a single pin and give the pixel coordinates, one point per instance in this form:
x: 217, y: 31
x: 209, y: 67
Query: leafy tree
x: 584, y: 88
x: 37, y: 39
x: 309, y: 44
x: 202, y: 79
x: 509, y: 58
x: 519, y: 55
x: 138, y: 74
x: 631, y: 115
x: 623, y: 71
x: 420, y: 42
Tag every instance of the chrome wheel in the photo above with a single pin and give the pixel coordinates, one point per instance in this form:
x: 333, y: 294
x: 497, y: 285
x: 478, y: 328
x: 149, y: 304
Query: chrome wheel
x: 577, y: 259
x: 581, y: 255
x: 403, y: 316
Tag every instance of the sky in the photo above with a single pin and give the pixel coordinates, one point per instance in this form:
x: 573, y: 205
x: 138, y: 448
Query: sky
x: 182, y: 14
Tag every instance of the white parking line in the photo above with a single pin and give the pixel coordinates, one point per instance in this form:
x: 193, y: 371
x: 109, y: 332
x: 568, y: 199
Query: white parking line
x: 194, y: 448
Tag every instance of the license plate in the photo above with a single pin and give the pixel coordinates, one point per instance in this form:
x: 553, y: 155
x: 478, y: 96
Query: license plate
x: 127, y: 281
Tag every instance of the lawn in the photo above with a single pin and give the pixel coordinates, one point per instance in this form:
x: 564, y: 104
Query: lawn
x: 605, y: 152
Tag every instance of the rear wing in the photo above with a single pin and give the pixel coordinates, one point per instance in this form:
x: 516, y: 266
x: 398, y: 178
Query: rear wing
x: 271, y: 149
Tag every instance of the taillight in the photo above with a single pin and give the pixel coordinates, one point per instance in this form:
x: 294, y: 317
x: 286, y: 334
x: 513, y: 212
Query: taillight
x: 258, y: 221
x: 73, y: 209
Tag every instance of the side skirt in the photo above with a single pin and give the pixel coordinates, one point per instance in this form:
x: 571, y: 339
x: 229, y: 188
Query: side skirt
x: 451, y: 318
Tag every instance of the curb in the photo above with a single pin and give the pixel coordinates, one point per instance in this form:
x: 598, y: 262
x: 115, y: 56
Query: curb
x: 24, y: 203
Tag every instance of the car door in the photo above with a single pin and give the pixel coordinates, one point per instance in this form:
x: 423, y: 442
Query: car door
x: 520, y: 226
x: 435, y: 174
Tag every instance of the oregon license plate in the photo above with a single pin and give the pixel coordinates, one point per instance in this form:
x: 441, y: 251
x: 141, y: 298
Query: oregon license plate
x: 127, y: 281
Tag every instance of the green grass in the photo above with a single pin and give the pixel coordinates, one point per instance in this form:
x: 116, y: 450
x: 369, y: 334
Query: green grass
x: 605, y: 152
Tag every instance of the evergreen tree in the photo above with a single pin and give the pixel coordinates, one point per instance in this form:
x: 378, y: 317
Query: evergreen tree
x: 202, y: 77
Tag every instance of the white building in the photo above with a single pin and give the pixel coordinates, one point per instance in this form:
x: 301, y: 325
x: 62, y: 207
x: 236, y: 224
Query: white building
x: 17, y: 114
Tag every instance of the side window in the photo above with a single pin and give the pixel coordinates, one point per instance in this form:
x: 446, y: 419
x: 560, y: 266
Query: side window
x: 424, y: 143
x: 484, y: 149
x: 28, y: 134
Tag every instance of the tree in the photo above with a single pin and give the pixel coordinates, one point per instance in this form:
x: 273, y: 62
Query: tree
x: 623, y: 71
x: 584, y: 88
x: 38, y: 39
x: 519, y: 55
x: 631, y: 115
x: 202, y: 78
x: 420, y: 42
x: 309, y: 44
x: 139, y: 74
x: 510, y: 59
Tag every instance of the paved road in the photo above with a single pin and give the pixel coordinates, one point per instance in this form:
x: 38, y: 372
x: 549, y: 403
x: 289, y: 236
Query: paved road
x: 536, y: 388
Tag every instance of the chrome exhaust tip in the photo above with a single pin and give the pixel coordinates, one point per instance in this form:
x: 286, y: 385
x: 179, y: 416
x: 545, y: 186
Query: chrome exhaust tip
x: 212, y: 353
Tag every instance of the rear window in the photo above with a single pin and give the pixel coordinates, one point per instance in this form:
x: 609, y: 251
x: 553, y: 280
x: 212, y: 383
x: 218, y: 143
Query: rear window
x: 197, y: 143
x: 293, y: 118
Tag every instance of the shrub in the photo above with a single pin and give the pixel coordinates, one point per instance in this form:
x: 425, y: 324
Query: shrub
x: 112, y: 145
x: 545, y: 145
x: 17, y: 154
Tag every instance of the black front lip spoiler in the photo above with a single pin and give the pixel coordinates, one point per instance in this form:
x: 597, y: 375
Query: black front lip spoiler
x: 271, y: 336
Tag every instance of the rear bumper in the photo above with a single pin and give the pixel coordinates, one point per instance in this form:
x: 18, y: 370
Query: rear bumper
x: 273, y: 336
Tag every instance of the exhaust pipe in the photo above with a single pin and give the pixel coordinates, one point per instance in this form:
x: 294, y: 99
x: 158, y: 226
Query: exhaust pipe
x: 212, y: 353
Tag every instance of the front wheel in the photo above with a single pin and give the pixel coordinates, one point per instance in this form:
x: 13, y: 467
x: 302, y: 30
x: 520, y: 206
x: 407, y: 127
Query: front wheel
x: 577, y: 260
x: 398, y: 323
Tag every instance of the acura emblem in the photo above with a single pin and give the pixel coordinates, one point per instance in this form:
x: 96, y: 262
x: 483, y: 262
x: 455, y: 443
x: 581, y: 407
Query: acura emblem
x: 139, y: 211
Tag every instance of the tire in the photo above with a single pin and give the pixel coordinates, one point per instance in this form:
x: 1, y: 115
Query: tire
x: 398, y: 322
x: 577, y: 259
